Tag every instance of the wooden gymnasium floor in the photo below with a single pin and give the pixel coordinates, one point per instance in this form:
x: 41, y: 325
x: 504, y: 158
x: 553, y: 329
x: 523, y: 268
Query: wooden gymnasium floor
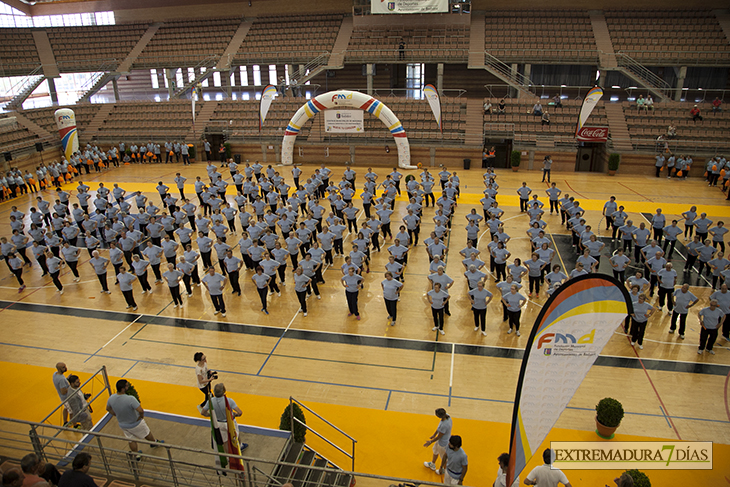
x: 379, y: 383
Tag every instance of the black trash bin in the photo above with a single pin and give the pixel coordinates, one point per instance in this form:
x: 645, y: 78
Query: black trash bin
x: 467, y: 163
x: 237, y: 158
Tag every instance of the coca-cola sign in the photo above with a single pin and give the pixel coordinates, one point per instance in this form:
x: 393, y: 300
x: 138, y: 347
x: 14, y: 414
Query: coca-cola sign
x: 592, y: 134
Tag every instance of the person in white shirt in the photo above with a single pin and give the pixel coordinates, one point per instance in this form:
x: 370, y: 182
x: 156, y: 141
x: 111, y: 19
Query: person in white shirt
x: 501, y: 480
x: 545, y: 476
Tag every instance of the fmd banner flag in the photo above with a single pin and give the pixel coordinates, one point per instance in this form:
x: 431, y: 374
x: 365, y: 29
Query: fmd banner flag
x: 566, y: 339
x: 66, y: 122
x: 589, y: 103
x: 435, y: 102
x: 267, y: 96
x: 409, y: 6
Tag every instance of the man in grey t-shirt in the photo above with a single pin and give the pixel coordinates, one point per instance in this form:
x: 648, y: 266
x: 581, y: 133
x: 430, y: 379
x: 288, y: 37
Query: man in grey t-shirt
x: 130, y: 415
x: 455, y: 461
x: 61, y: 385
x: 440, y: 438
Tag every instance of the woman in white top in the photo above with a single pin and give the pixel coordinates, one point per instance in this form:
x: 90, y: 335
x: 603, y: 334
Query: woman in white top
x: 204, y: 376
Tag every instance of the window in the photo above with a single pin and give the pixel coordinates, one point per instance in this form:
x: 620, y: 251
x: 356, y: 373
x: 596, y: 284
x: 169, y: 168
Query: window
x: 414, y: 80
x: 216, y: 78
x: 205, y: 81
x: 10, y: 17
x: 191, y: 74
x: 244, y: 76
x: 179, y: 78
x: 155, y: 80
x: 232, y: 79
x: 272, y: 74
x: 256, y: 75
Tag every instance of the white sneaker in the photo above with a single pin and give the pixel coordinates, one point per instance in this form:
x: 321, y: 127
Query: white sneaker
x: 283, y: 283
x: 134, y: 309
x: 484, y: 333
x: 108, y: 292
x: 174, y: 306
x: 699, y: 352
x: 190, y: 295
x: 430, y: 465
x: 392, y: 323
x: 60, y: 292
x: 223, y: 314
x: 442, y: 332
x: 712, y: 352
x: 77, y: 279
x: 278, y: 294
x: 633, y: 344
x: 305, y: 313
x: 319, y: 297
x: 509, y: 331
x: 641, y: 347
x: 149, y: 292
x: 144, y: 292
x: 434, y: 329
x: 681, y: 336
x: 215, y: 312
x: 518, y: 333
x: 476, y: 328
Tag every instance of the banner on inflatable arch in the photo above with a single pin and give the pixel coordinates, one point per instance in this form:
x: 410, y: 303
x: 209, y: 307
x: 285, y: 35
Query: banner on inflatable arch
x: 589, y: 103
x: 346, y: 99
x: 66, y: 123
x: 409, y: 6
x: 568, y: 335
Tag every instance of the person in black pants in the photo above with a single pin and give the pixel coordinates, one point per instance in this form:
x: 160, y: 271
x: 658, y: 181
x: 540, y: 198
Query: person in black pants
x: 204, y: 376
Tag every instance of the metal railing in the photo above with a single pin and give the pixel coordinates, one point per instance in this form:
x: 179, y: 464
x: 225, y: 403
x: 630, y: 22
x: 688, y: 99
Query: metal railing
x: 434, y: 53
x: 640, y: 71
x: 505, y: 71
x: 353, y: 441
x: 684, y: 58
x: 176, y: 61
x: 676, y: 145
x: 88, y: 65
x: 304, y: 72
x: 544, y: 55
x: 26, y: 81
x: 503, y: 130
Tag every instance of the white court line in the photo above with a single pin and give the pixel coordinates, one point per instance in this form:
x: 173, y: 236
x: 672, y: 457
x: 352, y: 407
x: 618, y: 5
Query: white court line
x: 125, y: 329
x: 451, y: 375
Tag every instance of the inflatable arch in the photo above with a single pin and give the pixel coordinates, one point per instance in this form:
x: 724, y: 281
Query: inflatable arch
x: 345, y: 99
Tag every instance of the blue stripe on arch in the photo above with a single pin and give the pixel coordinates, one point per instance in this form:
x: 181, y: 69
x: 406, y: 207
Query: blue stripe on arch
x: 373, y: 106
x: 311, y: 106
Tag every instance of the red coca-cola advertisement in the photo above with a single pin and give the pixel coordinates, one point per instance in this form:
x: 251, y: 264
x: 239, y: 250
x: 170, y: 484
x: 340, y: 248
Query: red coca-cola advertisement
x: 592, y: 134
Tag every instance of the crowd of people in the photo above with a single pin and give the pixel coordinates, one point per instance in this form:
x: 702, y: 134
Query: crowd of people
x: 271, y: 232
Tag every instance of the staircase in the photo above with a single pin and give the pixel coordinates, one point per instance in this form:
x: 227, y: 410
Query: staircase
x: 44, y: 134
x: 93, y: 128
x: 504, y: 72
x: 102, y: 78
x: 606, y: 57
x: 339, y: 48
x: 313, y: 68
x: 476, y: 41
x: 474, y: 123
x: 126, y: 66
x: 311, y: 469
x: 224, y: 64
x: 723, y: 17
x: 644, y: 77
x: 206, y: 63
x: 25, y: 88
x: 201, y: 120
x: 619, y: 131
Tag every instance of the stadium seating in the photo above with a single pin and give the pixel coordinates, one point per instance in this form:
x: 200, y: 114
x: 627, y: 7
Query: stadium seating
x: 144, y: 121
x: 15, y: 137
x: 660, y: 37
x: 535, y: 36
x: 422, y: 43
x: 290, y: 39
x: 94, y: 47
x: 187, y: 43
x: 18, y: 53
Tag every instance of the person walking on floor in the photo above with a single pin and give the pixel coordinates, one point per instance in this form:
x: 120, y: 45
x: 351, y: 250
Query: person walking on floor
x: 683, y: 300
x: 130, y: 415
x: 204, y: 376
x: 711, y: 318
x: 352, y: 283
x: 642, y: 313
x: 125, y: 280
x: 454, y: 463
x: 215, y: 283
x: 514, y: 301
x: 439, y: 439
x: 173, y: 276
x: 261, y: 281
x: 391, y: 294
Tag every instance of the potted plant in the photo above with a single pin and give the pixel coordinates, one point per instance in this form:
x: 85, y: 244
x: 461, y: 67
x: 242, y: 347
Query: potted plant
x: 191, y: 151
x: 131, y: 391
x: 285, y: 424
x: 640, y: 478
x: 229, y: 151
x: 609, y: 413
x: 613, y: 162
x: 515, y: 159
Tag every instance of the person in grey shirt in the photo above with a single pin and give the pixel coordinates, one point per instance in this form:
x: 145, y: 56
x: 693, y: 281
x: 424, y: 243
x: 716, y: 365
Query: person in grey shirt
x: 352, y: 283
x: 100, y: 264
x: 683, y: 300
x: 125, y: 280
x: 455, y: 462
x: 130, y: 415
x: 391, y: 293
x: 710, y: 320
x: 173, y: 276
x: 301, y: 284
x: 62, y: 387
x: 71, y: 256
x: 215, y: 283
x: 480, y: 299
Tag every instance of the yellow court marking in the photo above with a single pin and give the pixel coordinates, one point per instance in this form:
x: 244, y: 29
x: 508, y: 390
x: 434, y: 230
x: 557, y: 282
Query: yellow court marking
x: 388, y: 442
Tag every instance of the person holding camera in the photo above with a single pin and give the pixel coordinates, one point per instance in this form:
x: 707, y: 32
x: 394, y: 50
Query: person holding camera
x: 204, y: 376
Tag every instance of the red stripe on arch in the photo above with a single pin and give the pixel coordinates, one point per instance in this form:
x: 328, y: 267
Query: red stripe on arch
x: 318, y: 104
x: 367, y: 104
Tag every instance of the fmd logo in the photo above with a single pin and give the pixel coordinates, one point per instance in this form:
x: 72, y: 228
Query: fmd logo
x: 341, y: 97
x: 558, y: 339
x: 63, y: 117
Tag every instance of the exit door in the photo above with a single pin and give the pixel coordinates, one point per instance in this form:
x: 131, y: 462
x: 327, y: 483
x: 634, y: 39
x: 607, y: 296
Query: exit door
x: 584, y: 159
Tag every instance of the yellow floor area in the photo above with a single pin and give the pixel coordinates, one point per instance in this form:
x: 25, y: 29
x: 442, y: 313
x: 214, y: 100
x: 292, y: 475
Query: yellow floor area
x: 389, y: 443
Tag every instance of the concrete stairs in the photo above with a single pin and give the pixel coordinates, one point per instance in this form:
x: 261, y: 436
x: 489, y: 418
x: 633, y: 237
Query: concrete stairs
x: 723, y: 17
x: 33, y: 127
x: 474, y: 123
x: 99, y: 84
x: 619, y: 130
x: 337, y: 57
x: 201, y: 120
x: 29, y: 86
x: 45, y: 53
x: 606, y: 57
x: 224, y: 64
x: 126, y: 66
x: 93, y: 128
x: 476, y: 41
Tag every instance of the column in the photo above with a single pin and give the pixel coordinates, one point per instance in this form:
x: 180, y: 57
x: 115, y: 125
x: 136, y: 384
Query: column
x: 513, y: 72
x: 680, y: 83
x: 226, y: 82
x: 439, y: 77
x: 528, y: 70
x: 171, y: 81
x: 52, y: 90
x: 115, y: 86
x: 369, y: 74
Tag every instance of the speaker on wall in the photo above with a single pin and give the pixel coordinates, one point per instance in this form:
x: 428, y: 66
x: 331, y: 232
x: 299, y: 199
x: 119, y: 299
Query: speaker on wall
x: 39, y: 146
x: 8, y: 156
